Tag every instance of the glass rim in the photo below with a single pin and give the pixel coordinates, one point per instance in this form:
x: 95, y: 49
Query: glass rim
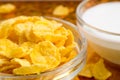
x: 80, y: 55
x: 78, y: 14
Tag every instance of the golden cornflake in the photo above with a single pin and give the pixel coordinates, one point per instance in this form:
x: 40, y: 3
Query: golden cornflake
x: 86, y: 71
x: 61, y: 11
x: 7, y: 8
x: 100, y: 72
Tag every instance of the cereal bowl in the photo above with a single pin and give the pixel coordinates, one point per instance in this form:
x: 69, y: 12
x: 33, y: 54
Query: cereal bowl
x: 63, y: 71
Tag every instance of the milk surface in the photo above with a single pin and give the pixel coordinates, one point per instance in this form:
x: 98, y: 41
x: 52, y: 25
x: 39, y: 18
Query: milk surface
x: 106, y: 17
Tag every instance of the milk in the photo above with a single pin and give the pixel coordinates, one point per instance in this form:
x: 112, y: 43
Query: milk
x: 105, y: 16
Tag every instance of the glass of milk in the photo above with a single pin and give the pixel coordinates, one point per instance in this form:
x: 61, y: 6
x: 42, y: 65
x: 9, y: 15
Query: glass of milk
x: 100, y: 22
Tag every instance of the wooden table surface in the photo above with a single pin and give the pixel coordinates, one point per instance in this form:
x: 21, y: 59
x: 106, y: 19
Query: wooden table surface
x: 45, y: 8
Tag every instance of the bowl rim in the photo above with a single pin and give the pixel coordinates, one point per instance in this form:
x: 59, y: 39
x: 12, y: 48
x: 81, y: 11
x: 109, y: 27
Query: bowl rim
x: 79, y: 14
x: 80, y: 56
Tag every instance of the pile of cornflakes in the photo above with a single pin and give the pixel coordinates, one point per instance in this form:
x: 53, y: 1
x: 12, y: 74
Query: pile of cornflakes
x: 31, y: 45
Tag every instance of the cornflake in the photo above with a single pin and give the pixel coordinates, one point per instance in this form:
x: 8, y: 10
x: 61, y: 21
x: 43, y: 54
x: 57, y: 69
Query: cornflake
x: 7, y: 8
x: 61, y: 10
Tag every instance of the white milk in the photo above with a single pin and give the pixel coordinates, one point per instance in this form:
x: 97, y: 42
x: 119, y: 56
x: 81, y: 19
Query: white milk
x: 106, y: 17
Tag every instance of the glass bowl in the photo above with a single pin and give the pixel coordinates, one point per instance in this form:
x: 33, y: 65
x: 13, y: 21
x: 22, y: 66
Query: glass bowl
x: 66, y: 71
x: 107, y: 45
